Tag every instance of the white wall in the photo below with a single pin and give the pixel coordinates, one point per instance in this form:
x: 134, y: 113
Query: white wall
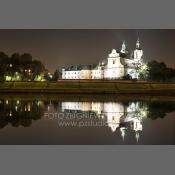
x: 138, y: 54
x: 97, y: 73
x: 85, y: 74
x: 71, y: 74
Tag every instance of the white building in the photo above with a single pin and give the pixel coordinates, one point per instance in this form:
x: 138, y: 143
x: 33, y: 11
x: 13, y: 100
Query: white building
x: 77, y: 72
x: 98, y: 72
x: 116, y: 66
x: 70, y: 74
x: 85, y: 74
x: 114, y: 69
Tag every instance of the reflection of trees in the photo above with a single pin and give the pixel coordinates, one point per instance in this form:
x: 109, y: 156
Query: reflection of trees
x: 150, y: 109
x: 160, y: 109
x: 19, y: 113
x: 23, y: 112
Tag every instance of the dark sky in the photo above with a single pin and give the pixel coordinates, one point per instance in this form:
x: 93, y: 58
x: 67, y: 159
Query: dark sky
x: 64, y: 47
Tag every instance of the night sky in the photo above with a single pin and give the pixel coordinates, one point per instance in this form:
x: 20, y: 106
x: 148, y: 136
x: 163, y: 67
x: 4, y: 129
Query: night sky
x: 64, y: 47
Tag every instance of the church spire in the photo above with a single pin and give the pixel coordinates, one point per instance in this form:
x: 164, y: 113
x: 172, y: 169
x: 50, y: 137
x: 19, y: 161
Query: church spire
x: 123, y: 49
x: 138, y: 44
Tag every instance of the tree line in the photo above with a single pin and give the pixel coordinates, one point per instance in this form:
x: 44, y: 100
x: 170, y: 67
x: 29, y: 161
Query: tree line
x: 154, y: 71
x: 22, y: 67
x: 158, y: 71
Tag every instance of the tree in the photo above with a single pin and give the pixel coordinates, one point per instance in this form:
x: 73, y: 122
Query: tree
x: 143, y: 72
x: 158, y: 71
x: 160, y: 109
x: 15, y: 58
x: 20, y: 67
x: 3, y: 58
x: 26, y: 58
x: 55, y: 75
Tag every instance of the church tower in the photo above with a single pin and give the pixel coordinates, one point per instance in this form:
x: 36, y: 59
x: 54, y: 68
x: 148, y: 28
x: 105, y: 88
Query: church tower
x: 138, y: 52
x: 123, y: 49
x: 114, y: 68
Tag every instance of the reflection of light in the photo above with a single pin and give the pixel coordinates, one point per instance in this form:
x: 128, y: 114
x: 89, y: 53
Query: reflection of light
x: 132, y: 107
x: 28, y: 107
x: 25, y: 108
x: 10, y: 114
x: 123, y: 132
x: 113, y: 126
x: 137, y: 125
x: 51, y: 76
x: 16, y: 108
x: 7, y: 102
x: 17, y: 102
x: 8, y: 78
x: 137, y: 136
x: 18, y: 77
x: 39, y: 103
x: 97, y: 106
x: 72, y: 106
x: 86, y: 106
x: 143, y: 113
x: 113, y: 112
x: 102, y: 116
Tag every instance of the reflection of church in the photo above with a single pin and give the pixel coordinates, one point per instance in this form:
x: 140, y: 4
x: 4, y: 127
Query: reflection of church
x: 115, y: 114
x: 116, y: 66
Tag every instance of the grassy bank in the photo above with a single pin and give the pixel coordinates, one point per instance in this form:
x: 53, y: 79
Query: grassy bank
x: 89, y: 86
x: 86, y: 97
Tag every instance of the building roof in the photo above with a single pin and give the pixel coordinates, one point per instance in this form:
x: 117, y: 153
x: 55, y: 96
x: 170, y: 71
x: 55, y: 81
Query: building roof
x: 79, y: 67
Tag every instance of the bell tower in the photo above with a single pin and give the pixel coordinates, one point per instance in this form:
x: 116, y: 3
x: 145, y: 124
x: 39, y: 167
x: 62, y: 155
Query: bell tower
x: 123, y: 49
x: 138, y: 52
x: 138, y: 44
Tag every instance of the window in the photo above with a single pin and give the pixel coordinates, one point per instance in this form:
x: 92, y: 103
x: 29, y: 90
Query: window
x: 113, y: 62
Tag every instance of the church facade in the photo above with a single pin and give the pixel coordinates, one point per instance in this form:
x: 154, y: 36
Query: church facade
x: 117, y: 65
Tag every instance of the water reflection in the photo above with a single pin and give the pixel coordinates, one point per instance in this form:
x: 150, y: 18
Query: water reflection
x: 20, y: 112
x: 124, y: 116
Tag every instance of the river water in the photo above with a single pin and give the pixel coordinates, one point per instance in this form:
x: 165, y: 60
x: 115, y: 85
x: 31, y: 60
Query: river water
x: 87, y: 119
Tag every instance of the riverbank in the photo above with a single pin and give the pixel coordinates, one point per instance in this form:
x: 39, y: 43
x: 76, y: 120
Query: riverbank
x: 89, y: 87
x: 86, y: 97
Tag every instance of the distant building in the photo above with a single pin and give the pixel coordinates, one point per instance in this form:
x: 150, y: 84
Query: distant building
x: 116, y: 66
x: 77, y: 72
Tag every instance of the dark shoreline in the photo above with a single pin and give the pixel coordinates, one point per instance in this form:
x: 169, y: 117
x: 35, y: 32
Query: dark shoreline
x: 88, y: 91
x: 87, y: 97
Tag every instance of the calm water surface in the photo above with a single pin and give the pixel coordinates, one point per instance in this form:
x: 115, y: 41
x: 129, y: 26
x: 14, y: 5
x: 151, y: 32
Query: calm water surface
x: 90, y: 119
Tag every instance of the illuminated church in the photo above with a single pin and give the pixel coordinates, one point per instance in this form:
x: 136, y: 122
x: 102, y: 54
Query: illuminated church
x: 116, y: 66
